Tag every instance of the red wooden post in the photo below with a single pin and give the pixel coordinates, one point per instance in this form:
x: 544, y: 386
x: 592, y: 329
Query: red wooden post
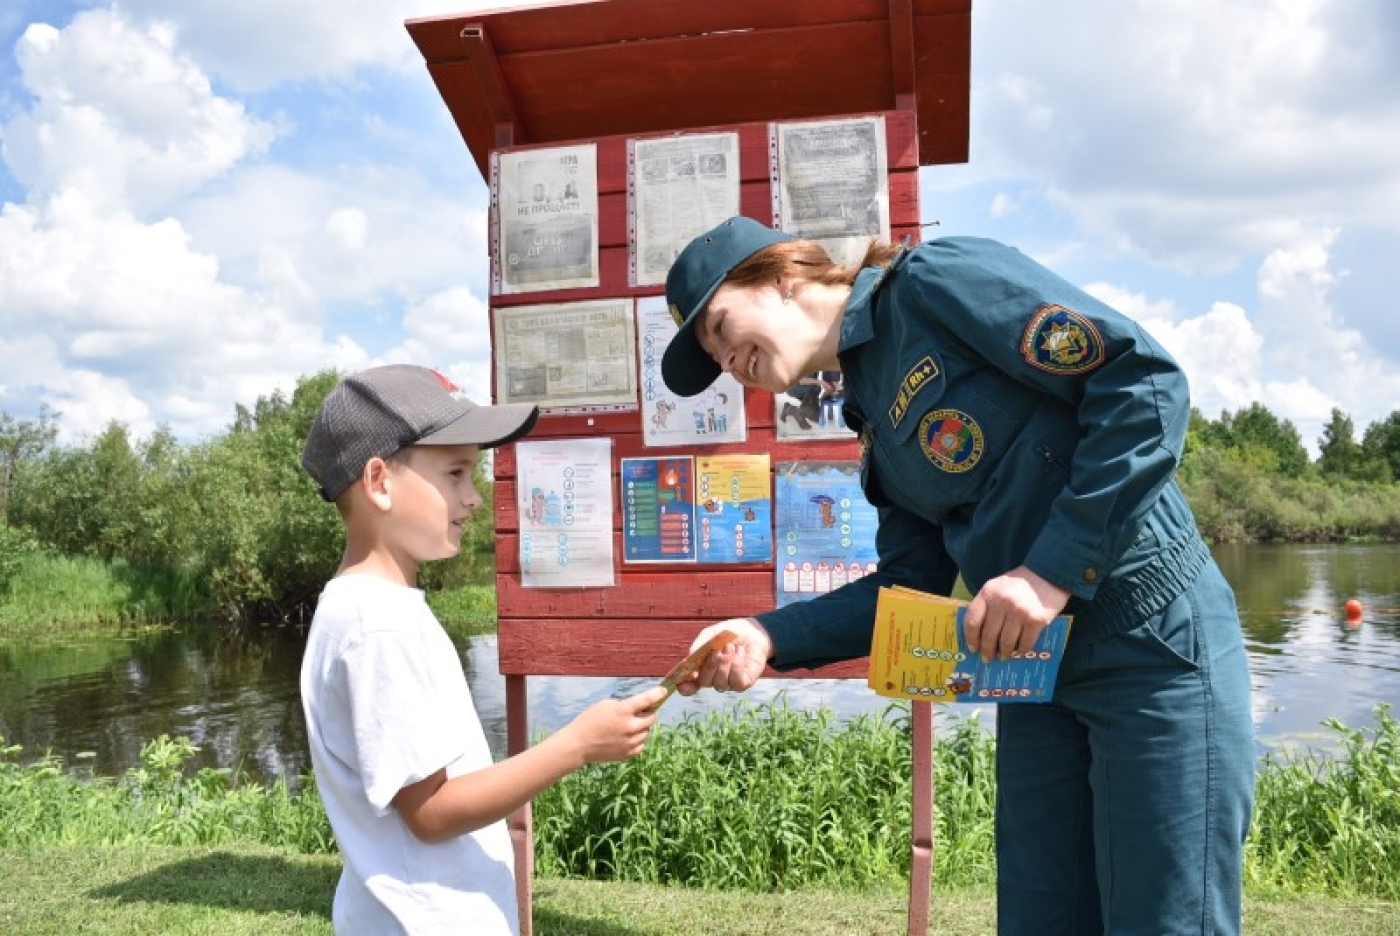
x: 609, y: 72
x: 921, y: 841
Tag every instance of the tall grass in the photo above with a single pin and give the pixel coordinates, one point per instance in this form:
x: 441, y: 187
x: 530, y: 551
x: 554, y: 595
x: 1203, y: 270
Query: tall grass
x: 48, y: 595
x: 753, y: 799
x: 158, y: 803
x: 1331, y: 824
x: 759, y: 798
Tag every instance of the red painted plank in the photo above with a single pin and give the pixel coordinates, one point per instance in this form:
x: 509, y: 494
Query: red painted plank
x: 707, y: 593
x: 621, y: 647
x: 570, y: 25
x: 737, y: 78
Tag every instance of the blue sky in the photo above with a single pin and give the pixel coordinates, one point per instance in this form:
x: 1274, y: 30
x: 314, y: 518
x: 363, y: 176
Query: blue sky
x: 201, y: 202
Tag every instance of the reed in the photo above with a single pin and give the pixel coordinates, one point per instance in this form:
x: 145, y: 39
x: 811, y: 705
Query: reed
x: 757, y: 799
x: 47, y: 595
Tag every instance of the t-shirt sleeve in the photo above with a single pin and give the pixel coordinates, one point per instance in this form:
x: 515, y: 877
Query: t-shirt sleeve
x: 403, y: 727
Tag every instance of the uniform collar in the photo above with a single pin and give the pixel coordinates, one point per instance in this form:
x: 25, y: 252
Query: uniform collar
x: 858, y: 321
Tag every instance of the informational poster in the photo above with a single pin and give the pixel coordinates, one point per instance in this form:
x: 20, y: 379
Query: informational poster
x: 824, y: 526
x: 811, y: 409
x: 546, y: 233
x: 577, y: 354
x: 679, y: 187
x: 831, y: 183
x: 564, y: 489
x: 712, y: 416
x: 734, y: 509
x: 658, y: 509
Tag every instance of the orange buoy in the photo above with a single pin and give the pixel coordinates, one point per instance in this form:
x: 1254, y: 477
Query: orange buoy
x: 1353, y: 608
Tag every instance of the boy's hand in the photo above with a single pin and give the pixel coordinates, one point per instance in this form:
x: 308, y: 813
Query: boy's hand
x: 736, y: 666
x: 616, y: 729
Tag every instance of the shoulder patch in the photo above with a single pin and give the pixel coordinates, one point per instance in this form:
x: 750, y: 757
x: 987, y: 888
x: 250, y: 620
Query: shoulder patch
x: 951, y: 439
x: 1061, y: 341
x: 918, y: 377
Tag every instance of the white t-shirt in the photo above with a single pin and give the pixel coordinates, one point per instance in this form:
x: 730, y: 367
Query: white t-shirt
x: 386, y: 705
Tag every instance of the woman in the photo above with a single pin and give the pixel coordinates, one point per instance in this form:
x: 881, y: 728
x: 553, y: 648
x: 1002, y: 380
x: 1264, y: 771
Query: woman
x: 1018, y: 432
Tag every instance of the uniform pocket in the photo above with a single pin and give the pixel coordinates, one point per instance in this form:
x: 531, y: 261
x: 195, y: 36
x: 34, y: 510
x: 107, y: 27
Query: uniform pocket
x: 1169, y: 639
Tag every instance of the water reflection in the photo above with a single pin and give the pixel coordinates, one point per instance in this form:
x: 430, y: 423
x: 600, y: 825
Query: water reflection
x: 235, y: 695
x: 1308, y: 661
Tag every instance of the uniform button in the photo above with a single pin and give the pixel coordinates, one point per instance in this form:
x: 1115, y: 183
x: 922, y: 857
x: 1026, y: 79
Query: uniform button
x: 1091, y: 575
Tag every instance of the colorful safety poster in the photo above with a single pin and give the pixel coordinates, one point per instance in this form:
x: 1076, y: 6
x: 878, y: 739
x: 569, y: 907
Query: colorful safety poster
x: 564, y: 490
x: 714, y: 415
x: 733, y: 508
x: 658, y: 509
x: 824, y: 526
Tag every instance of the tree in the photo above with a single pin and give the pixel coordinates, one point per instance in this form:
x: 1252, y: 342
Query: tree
x: 21, y: 441
x: 1261, y: 438
x: 1342, y: 457
x: 1382, y: 442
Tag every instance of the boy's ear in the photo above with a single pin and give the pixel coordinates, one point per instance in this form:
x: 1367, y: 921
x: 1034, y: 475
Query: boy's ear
x: 376, y: 481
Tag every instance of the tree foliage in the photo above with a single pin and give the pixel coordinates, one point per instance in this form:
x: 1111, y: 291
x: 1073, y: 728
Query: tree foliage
x: 237, y: 523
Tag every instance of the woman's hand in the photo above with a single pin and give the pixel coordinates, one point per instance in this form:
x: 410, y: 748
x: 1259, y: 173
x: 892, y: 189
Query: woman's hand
x: 736, y: 666
x: 1009, y: 613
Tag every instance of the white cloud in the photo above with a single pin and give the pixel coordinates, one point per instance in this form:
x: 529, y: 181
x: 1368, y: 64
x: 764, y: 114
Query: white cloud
x: 258, y: 44
x: 1311, y: 347
x: 1294, y: 354
x: 1194, y: 132
x: 450, y: 331
x: 122, y: 313
x: 120, y: 115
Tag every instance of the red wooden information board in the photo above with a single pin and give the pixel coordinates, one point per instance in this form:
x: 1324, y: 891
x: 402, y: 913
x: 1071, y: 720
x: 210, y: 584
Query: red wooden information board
x: 610, y: 73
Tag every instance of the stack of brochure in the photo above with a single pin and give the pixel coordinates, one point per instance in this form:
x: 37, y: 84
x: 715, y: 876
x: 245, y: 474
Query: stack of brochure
x: 919, y: 652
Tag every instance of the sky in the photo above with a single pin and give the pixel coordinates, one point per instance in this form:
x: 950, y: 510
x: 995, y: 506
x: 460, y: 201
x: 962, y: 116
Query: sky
x: 201, y: 202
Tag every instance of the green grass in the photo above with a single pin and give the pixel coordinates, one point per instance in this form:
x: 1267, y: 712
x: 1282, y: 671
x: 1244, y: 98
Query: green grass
x: 135, y: 890
x: 736, y: 823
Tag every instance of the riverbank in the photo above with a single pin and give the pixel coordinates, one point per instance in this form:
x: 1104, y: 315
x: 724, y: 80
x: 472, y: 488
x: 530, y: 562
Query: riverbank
x: 730, y: 802
x: 253, y: 891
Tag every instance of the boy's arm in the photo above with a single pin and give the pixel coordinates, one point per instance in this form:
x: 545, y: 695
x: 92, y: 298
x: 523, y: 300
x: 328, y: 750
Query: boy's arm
x: 436, y: 809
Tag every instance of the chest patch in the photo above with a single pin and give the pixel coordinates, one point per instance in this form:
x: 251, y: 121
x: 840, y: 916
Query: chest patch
x: 1061, y: 341
x: 951, y: 439
x: 918, y: 377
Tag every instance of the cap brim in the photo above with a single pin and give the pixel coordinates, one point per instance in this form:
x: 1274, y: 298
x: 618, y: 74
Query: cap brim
x: 685, y: 367
x: 486, y: 426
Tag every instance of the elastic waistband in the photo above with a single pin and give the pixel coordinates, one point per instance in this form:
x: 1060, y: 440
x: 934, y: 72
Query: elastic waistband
x: 1128, y: 603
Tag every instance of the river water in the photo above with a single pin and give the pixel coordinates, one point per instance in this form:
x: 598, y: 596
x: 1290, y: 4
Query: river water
x: 235, y: 695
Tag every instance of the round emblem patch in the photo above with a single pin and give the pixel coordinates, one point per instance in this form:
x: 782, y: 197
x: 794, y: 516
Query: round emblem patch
x: 1061, y: 341
x: 676, y: 315
x: 951, y: 439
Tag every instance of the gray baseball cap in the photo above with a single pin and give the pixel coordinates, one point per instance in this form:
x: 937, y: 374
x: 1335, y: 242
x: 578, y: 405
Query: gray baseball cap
x: 378, y: 411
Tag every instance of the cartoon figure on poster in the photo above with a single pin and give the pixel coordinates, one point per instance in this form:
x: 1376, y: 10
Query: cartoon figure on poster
x: 811, y: 409
x: 710, y: 412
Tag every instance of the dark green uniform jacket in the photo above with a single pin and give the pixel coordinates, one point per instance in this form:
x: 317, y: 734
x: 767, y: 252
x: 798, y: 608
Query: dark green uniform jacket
x: 1006, y: 418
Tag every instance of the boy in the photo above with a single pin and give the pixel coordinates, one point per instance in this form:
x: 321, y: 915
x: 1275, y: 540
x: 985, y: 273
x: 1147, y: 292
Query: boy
x: 400, y: 758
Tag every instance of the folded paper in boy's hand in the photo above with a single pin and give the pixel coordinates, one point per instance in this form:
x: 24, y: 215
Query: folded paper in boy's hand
x: 682, y: 670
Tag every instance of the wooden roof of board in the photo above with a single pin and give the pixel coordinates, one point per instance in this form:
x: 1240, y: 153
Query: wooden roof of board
x: 581, y: 69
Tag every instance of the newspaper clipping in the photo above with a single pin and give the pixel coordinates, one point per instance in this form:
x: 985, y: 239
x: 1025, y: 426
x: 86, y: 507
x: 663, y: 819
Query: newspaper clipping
x: 546, y: 219
x: 680, y: 188
x: 563, y: 355
x: 832, y: 183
